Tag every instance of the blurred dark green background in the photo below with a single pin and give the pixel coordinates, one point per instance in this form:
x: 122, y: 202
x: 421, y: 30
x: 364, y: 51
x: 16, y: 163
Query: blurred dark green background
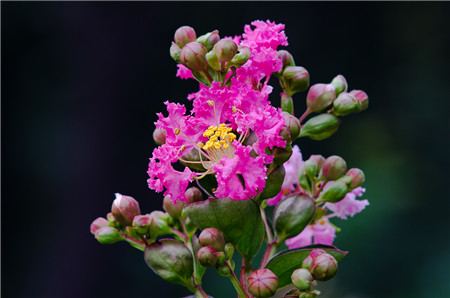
x: 81, y: 85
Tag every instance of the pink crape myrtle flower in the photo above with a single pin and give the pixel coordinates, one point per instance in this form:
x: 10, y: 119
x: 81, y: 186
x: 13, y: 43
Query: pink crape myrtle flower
x: 321, y: 232
x: 349, y: 205
x: 184, y: 73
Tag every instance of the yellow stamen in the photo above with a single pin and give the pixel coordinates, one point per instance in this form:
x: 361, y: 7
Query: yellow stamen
x: 177, y: 131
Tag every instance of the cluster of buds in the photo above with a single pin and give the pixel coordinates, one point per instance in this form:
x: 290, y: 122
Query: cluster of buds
x: 209, y: 57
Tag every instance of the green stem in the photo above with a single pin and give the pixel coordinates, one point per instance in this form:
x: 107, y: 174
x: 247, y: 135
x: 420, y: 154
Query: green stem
x: 306, y: 113
x: 266, y: 225
x: 199, y: 293
x: 235, y: 281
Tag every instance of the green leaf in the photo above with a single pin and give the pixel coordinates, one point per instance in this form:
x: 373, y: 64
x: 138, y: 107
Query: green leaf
x: 171, y: 260
x: 240, y: 222
x: 285, y: 262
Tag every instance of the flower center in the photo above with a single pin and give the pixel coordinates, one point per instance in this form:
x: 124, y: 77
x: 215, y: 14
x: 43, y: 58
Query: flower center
x: 219, y: 143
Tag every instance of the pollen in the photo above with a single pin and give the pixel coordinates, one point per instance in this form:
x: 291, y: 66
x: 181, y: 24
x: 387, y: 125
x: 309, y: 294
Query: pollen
x: 219, y: 137
x: 177, y: 131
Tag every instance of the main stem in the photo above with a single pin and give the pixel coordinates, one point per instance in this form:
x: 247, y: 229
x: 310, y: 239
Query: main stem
x: 235, y: 281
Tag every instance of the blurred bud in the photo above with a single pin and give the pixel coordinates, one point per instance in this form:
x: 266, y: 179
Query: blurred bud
x: 209, y: 39
x: 320, y: 127
x: 287, y: 105
x: 229, y: 250
x: 193, y: 194
x: 292, y: 215
x: 333, y: 168
x: 108, y: 235
x: 296, y: 79
x: 124, y: 209
x: 340, y: 84
x: 224, y: 270
x: 241, y: 56
x: 286, y: 58
x: 324, y: 267
x: 98, y: 223
x: 212, y: 237
x: 302, y: 279
x: 159, y: 136
x: 362, y: 97
x: 213, y: 60
x: 307, y: 262
x: 184, y: 35
x: 193, y: 56
x: 207, y: 256
x: 175, y: 52
x: 292, y: 124
x: 162, y: 221
x: 346, y: 104
x: 262, y: 283
x: 172, y: 209
x: 141, y: 223
x: 222, y: 257
x: 309, y: 294
x: 275, y: 178
x: 320, y: 96
x: 357, y: 177
x: 225, y: 49
x: 334, y: 193
x: 319, y: 159
x: 310, y: 169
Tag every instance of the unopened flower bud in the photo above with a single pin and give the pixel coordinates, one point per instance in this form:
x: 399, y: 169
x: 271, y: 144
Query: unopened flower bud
x: 207, y: 256
x: 263, y: 283
x: 241, y: 56
x: 229, y: 250
x: 324, y: 267
x: 162, y: 221
x: 281, y: 155
x: 292, y: 124
x: 124, y: 209
x: 213, y: 60
x: 225, y: 50
x: 309, y: 294
x: 340, y: 84
x: 302, y: 279
x: 319, y: 159
x: 224, y: 270
x: 209, y: 39
x: 308, y: 260
x: 296, y: 79
x: 346, y: 104
x: 159, y: 136
x: 334, y: 167
x: 362, y: 97
x: 320, y: 127
x: 222, y: 257
x: 287, y: 105
x: 212, y: 237
x: 193, y: 194
x: 184, y: 35
x: 357, y: 177
x: 108, y: 235
x: 175, y: 52
x: 172, y: 209
x: 320, y: 96
x: 193, y: 56
x: 334, y: 193
x: 311, y: 168
x: 141, y: 223
x: 286, y: 58
x: 98, y: 224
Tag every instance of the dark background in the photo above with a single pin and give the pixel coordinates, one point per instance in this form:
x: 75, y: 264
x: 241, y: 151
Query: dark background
x: 81, y: 85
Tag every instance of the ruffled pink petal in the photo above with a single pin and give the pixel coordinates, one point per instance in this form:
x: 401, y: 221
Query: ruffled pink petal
x: 302, y: 239
x: 324, y: 232
x: 349, y: 205
x: 184, y: 73
x: 265, y: 34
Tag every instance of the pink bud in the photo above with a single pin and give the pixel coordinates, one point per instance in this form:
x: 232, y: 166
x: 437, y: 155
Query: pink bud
x: 193, y: 56
x: 159, y: 136
x: 184, y: 35
x: 320, y: 96
x: 207, y: 256
x: 193, y: 194
x: 124, y: 209
x: 263, y: 283
x: 334, y: 167
x: 357, y: 177
x: 340, y: 84
x: 108, y: 235
x: 212, y: 237
x: 98, y: 223
x: 175, y: 52
x: 362, y: 97
x: 225, y: 50
x: 324, y: 267
x: 307, y: 262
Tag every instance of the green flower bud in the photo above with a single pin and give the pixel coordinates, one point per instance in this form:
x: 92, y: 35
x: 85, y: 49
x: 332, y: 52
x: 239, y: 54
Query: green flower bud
x: 209, y: 39
x: 175, y: 52
x: 286, y: 58
x: 241, y: 57
x: 193, y: 194
x: 98, y: 224
x: 172, y: 209
x: 225, y: 50
x: 334, y: 167
x: 307, y: 262
x: 263, y: 283
x: 159, y: 136
x: 357, y: 177
x: 287, y: 105
x: 324, y: 267
x: 310, y: 169
x: 222, y: 257
x: 184, y: 35
x: 108, y: 235
x: 275, y: 178
x: 281, y: 155
x: 346, y: 104
x: 319, y: 159
x: 193, y: 56
x: 320, y: 127
x: 309, y: 294
x: 212, y: 237
x: 302, y: 279
x: 141, y: 224
x: 362, y: 97
x: 340, y: 84
x: 229, y: 250
x: 320, y: 96
x: 334, y: 193
x: 124, y: 209
x: 292, y: 124
x: 224, y: 270
x: 162, y: 221
x: 213, y: 60
x: 207, y: 256
x: 296, y: 79
x: 292, y: 215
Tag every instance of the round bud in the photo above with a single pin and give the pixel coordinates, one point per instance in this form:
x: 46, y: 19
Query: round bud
x: 98, y: 224
x: 193, y: 194
x: 320, y: 96
x: 141, y: 223
x: 340, y: 84
x: 175, y: 52
x: 320, y: 127
x: 124, y: 209
x: 302, y: 279
x: 319, y: 159
x: 171, y: 208
x: 212, y: 237
x: 357, y: 177
x: 324, y: 267
x: 108, y: 235
x: 292, y: 124
x: 207, y: 256
x: 296, y: 79
x: 161, y: 219
x: 224, y: 270
x: 286, y: 58
x: 362, y: 97
x: 334, y: 193
x: 241, y: 56
x: 346, y: 104
x: 334, y: 167
x: 225, y: 50
x: 193, y: 56
x: 209, y: 39
x: 213, y: 60
x: 287, y: 105
x: 263, y: 283
x: 159, y: 136
x: 229, y: 250
x: 308, y: 260
x: 184, y: 35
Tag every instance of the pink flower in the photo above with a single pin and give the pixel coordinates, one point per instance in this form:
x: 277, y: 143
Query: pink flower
x: 349, y: 205
x: 321, y: 231
x: 183, y: 72
x: 266, y: 34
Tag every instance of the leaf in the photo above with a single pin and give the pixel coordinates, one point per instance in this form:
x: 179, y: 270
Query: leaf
x: 285, y: 262
x: 240, y: 222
